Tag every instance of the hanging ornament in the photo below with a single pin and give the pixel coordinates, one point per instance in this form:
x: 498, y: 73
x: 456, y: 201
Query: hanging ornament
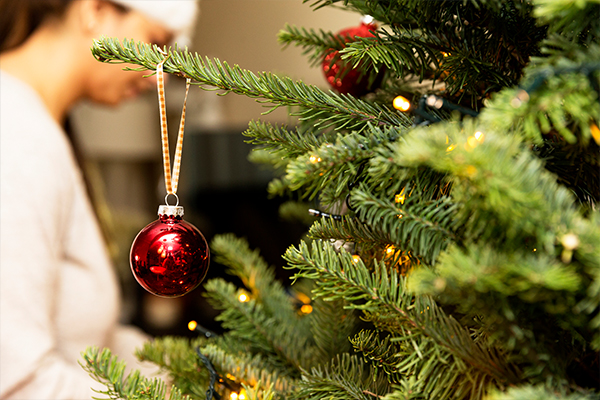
x: 169, y: 257
x: 340, y: 75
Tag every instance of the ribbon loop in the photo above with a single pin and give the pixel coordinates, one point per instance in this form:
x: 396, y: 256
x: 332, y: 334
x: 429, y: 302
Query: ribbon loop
x: 171, y: 179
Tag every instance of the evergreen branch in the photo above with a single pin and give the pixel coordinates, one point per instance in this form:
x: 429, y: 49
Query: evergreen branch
x: 105, y: 368
x: 381, y: 353
x: 297, y: 212
x: 407, y: 389
x: 280, y: 140
x: 402, y: 53
x: 251, y: 323
x: 268, y: 293
x: 332, y: 166
x: 247, y: 368
x: 332, y: 324
x: 384, y: 297
x: 314, y: 44
x: 342, y: 110
x: 443, y: 375
x: 496, y: 198
x: 177, y: 356
x: 346, y: 377
x: 330, y: 169
x: 424, y: 228
x: 530, y: 392
x: 366, y: 238
x: 571, y: 20
x: 262, y: 156
x: 566, y: 95
x: 251, y: 268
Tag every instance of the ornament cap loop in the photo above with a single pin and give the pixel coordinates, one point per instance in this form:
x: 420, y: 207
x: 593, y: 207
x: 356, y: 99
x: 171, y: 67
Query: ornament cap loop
x: 176, y: 211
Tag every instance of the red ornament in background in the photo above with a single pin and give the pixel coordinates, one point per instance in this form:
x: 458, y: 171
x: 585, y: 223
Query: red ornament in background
x: 341, y: 76
x: 169, y: 257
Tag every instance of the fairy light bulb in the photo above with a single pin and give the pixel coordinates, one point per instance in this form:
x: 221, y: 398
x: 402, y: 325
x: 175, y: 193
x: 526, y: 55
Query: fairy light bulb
x: 401, y: 103
x: 233, y: 396
x: 192, y: 325
x: 390, y: 250
x: 243, y: 297
x: 595, y: 133
x: 314, y: 159
x: 400, y: 197
x: 306, y: 309
x: 355, y: 258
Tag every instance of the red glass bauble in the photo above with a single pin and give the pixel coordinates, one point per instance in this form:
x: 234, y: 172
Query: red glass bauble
x: 169, y: 257
x: 341, y: 76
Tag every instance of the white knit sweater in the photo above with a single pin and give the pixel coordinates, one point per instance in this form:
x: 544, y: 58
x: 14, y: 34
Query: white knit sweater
x: 58, y: 291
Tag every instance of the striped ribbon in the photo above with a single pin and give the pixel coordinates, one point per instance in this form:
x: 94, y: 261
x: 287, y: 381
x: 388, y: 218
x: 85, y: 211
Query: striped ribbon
x: 171, y: 180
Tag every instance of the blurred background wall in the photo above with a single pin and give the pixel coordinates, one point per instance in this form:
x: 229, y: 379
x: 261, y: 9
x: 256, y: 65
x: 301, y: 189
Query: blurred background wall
x: 220, y: 190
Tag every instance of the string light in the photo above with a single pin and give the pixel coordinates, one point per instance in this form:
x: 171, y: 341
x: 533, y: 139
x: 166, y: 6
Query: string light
x: 238, y: 396
x: 389, y: 250
x: 306, y: 309
x: 355, y: 258
x: 243, y: 297
x: 450, y: 148
x: 314, y: 159
x: 400, y: 197
x: 401, y: 103
x: 595, y: 133
x: 192, y: 325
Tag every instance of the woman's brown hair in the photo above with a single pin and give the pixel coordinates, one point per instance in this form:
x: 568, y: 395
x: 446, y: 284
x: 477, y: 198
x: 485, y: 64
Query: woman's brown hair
x: 20, y: 18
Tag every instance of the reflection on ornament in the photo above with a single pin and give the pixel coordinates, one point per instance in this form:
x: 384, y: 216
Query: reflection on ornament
x: 169, y: 257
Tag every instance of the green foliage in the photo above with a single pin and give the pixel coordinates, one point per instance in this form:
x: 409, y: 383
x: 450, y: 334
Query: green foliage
x: 108, y: 370
x: 173, y: 355
x: 460, y: 259
x: 345, y: 377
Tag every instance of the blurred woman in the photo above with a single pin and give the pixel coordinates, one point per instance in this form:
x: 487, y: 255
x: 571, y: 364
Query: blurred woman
x: 59, y: 293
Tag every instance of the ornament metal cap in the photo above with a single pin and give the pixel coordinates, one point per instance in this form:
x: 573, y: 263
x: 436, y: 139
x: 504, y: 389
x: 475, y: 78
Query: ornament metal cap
x: 175, y: 211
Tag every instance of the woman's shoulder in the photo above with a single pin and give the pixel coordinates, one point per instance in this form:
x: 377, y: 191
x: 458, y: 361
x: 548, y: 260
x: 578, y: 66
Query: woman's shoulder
x: 28, y: 133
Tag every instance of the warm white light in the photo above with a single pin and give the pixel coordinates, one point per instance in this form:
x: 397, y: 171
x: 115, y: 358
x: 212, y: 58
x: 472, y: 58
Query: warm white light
x: 306, y: 309
x: 243, y: 297
x: 401, y: 103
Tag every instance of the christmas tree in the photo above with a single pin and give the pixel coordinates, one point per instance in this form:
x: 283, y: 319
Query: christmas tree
x: 454, y: 243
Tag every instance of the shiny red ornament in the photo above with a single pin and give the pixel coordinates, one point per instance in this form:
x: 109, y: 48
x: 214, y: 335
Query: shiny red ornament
x: 169, y: 257
x: 341, y: 76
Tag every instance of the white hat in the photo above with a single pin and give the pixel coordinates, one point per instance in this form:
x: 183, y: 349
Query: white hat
x: 177, y: 15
